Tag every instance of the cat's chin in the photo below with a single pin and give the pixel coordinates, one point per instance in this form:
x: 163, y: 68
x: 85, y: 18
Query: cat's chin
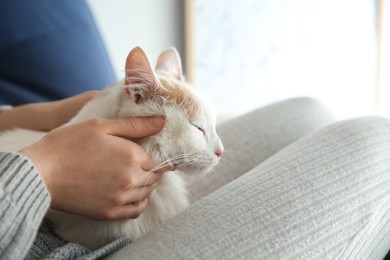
x: 190, y: 170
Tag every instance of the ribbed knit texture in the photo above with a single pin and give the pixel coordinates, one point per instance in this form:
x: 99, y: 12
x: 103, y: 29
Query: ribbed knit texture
x: 284, y: 190
x: 24, y: 201
x: 253, y: 137
x: 325, y: 196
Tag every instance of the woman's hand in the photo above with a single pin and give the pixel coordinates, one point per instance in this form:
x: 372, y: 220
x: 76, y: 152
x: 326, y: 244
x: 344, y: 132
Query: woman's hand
x: 92, y: 169
x: 44, y: 116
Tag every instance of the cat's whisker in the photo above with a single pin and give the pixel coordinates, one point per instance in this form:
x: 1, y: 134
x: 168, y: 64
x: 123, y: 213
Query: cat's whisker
x: 152, y: 171
x: 196, y: 160
x: 159, y: 166
x: 182, y: 165
x: 168, y: 162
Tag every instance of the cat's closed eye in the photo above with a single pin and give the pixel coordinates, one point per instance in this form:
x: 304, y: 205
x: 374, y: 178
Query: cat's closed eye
x: 199, y: 128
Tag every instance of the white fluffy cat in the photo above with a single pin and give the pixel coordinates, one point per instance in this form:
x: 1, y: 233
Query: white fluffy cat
x: 188, y: 141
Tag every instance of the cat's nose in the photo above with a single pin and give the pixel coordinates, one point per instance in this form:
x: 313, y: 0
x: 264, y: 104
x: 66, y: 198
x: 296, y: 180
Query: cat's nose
x: 219, y: 153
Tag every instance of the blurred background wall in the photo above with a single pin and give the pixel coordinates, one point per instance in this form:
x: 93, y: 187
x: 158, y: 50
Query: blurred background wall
x: 152, y: 24
x: 250, y: 53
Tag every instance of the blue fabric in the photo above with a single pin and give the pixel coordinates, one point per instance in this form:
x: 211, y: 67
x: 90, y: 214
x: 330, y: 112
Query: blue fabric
x: 49, y: 50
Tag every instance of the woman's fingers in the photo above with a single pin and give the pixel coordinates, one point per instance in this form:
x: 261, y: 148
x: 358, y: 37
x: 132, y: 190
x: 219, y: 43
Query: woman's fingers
x: 135, y: 202
x: 148, y: 178
x: 134, y: 195
x: 132, y: 211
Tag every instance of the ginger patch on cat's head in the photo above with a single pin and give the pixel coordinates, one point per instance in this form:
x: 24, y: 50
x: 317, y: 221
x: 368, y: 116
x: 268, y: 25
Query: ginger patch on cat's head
x: 177, y: 93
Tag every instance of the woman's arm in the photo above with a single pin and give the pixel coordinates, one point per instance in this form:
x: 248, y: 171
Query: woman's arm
x: 44, y: 116
x: 24, y: 201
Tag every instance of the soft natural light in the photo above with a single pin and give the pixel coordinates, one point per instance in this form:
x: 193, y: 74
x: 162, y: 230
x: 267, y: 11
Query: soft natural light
x: 250, y: 53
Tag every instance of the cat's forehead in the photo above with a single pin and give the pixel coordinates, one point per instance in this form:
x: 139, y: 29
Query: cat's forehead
x: 181, y: 95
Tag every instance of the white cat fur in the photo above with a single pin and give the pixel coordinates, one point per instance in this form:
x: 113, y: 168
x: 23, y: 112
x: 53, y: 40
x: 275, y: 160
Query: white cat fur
x: 179, y: 136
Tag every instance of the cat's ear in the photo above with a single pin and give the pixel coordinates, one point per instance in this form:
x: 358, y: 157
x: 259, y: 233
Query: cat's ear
x: 169, y: 62
x: 140, y: 79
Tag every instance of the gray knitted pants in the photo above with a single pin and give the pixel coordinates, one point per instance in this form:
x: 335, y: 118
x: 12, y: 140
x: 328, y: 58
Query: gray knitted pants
x: 292, y: 184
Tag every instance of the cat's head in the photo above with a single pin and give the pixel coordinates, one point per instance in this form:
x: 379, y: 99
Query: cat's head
x: 189, y: 140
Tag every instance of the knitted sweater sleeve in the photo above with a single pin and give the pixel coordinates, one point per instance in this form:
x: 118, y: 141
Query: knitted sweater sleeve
x: 24, y: 200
